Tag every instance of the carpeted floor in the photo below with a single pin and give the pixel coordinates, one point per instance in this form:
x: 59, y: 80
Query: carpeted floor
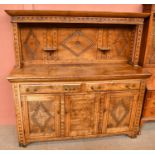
x: 8, y: 140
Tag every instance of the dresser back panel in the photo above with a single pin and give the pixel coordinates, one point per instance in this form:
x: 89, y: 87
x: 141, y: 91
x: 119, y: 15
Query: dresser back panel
x: 46, y: 44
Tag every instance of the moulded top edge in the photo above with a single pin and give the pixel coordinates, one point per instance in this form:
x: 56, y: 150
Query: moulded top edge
x: 75, y: 13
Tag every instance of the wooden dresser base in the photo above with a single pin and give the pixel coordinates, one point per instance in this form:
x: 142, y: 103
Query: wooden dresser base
x: 72, y: 110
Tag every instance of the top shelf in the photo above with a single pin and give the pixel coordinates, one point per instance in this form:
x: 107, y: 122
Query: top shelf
x: 75, y: 13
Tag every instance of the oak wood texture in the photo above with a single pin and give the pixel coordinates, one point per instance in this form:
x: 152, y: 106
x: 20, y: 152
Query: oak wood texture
x: 77, y: 72
x: 148, y: 61
x: 74, y: 13
x: 77, y: 80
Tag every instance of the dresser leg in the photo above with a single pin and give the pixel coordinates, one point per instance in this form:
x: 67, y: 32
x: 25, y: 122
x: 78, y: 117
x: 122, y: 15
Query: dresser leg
x: 132, y: 135
x: 22, y: 145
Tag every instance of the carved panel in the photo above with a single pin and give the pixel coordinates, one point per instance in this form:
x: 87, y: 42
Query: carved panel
x: 77, y: 43
x: 31, y: 44
x: 115, y: 43
x: 120, y: 111
x: 42, y: 115
x: 45, y: 45
x: 38, y: 44
x: 81, y: 118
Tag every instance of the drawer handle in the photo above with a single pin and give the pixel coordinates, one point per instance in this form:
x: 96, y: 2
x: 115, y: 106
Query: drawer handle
x: 96, y: 88
x: 68, y: 88
x: 49, y: 50
x: 27, y: 89
x: 104, y: 49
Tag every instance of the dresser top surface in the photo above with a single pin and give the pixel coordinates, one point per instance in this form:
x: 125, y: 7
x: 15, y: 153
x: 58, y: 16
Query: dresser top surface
x: 74, y: 13
x: 77, y: 72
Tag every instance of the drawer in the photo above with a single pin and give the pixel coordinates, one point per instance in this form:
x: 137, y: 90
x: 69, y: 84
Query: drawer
x: 148, y: 112
x: 114, y: 85
x: 50, y: 88
x: 79, y: 87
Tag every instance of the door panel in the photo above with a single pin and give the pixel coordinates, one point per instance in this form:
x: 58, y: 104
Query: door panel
x: 121, y: 111
x: 81, y: 114
x: 41, y: 115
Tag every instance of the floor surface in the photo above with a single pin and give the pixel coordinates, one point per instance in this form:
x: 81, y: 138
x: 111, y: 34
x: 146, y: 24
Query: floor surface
x: 8, y: 140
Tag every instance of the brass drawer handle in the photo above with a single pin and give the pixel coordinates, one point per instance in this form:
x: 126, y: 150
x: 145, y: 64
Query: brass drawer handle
x: 47, y: 49
x: 104, y: 49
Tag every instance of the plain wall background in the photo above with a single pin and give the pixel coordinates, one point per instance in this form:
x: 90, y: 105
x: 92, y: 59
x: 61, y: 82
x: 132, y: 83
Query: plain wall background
x: 7, y: 59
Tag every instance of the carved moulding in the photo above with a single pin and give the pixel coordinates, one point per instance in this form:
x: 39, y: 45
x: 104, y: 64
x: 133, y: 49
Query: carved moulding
x: 66, y: 19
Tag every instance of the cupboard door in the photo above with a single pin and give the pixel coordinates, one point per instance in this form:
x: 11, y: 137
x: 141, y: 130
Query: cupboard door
x: 121, y: 111
x: 41, y: 113
x: 81, y: 114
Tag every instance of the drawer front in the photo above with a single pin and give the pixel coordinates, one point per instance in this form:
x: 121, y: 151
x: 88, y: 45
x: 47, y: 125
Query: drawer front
x: 148, y: 112
x: 50, y: 88
x: 79, y: 87
x: 104, y: 86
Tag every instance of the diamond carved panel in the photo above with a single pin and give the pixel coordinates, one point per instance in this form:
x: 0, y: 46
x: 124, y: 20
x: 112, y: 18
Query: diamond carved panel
x: 31, y: 43
x: 121, y: 42
x: 41, y: 116
x: 77, y: 43
x: 119, y: 112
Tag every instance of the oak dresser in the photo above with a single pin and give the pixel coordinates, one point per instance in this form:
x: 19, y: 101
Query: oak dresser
x: 77, y: 74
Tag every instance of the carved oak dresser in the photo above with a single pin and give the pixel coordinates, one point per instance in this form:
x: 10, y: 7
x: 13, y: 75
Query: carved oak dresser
x: 77, y: 74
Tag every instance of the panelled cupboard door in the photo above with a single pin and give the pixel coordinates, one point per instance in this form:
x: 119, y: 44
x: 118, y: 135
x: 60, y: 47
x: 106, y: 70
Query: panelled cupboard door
x: 41, y: 114
x: 121, y: 108
x: 81, y: 114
